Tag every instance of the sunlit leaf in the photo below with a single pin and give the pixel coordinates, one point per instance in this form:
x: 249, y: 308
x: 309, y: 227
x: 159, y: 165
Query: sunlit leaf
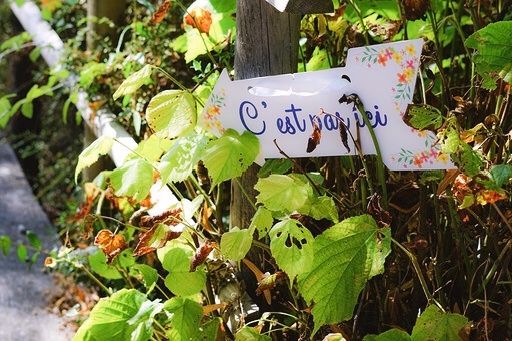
x: 172, y: 113
x: 423, y: 116
x: 282, y: 192
x: 291, y: 244
x: 501, y: 174
x: 91, y: 154
x: 134, y: 82
x: 390, y: 335
x: 235, y: 244
x: 185, y: 319
x: 134, y: 179
x: 230, y: 155
x: 262, y: 221
x: 126, y: 315
x: 250, y: 334
x: 435, y: 325
x: 345, y: 257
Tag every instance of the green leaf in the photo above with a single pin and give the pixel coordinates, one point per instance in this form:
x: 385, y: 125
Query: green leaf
x: 98, y: 264
x: 323, y: 208
x: 230, y: 155
x: 34, y: 240
x: 152, y: 148
x: 16, y: 41
x: 22, y: 253
x: 134, y: 179
x: 291, y: 245
x: 27, y: 109
x: 434, y: 325
x: 5, y: 244
x: 250, y: 334
x: 180, y: 280
x: 185, y: 319
x: 492, y: 56
x: 390, y: 335
x: 179, y: 161
x: 275, y: 166
x: 197, y: 44
x: 5, y: 108
x: 501, y: 174
x: 235, y: 244
x: 210, y: 330
x: 451, y: 142
x: 89, y: 73
x: 134, y: 82
x: 172, y: 113
x: 283, y: 193
x: 91, y: 154
x: 126, y: 315
x: 469, y: 160
x: 223, y: 6
x: 262, y: 221
x: 345, y: 257
x: 149, y: 275
x: 423, y: 116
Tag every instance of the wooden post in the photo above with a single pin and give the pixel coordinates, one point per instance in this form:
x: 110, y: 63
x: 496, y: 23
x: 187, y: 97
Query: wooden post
x: 115, y: 11
x: 267, y: 44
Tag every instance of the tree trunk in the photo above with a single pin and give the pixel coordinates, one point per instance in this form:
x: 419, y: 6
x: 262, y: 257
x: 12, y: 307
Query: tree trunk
x: 115, y: 11
x: 267, y: 44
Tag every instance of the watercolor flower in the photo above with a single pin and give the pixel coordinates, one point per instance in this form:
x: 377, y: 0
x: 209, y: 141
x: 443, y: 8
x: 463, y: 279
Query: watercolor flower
x: 382, y: 59
x: 410, y: 50
x: 402, y: 78
x: 418, y: 161
x: 442, y: 157
x: 397, y: 57
x: 410, y: 64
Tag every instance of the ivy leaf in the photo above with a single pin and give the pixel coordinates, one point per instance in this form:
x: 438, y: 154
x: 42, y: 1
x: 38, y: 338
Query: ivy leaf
x: 180, y: 280
x: 91, y: 154
x: 345, y: 257
x: 282, y: 192
x: 186, y: 316
x: 235, y: 244
x: 390, y: 335
x: 435, y: 325
x: 230, y: 155
x: 423, y: 116
x: 250, y: 334
x: 262, y: 221
x: 126, y: 315
x: 492, y: 57
x: 291, y: 245
x: 177, y: 164
x: 148, y: 274
x: 134, y: 82
x: 171, y: 113
x: 501, y: 174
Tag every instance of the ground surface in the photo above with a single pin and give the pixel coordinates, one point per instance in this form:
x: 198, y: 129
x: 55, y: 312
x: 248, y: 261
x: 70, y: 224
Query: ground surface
x: 23, y: 291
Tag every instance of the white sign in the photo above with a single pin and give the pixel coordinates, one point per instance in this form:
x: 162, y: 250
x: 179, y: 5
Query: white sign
x: 284, y: 108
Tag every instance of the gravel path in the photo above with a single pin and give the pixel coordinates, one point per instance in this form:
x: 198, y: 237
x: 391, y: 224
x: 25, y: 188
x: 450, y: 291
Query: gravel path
x: 23, y: 308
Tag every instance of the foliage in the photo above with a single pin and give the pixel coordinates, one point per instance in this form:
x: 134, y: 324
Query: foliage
x: 322, y: 261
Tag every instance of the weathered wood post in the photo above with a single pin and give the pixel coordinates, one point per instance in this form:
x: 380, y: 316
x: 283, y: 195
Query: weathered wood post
x: 115, y: 11
x: 267, y: 44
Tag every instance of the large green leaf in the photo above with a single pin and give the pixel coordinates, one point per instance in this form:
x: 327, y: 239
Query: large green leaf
x: 179, y: 161
x: 291, y: 245
x: 127, y: 315
x: 134, y: 82
x: 262, y: 221
x: 98, y: 264
x: 171, y: 113
x: 492, y: 57
x: 235, y: 244
x: 250, y: 334
x: 91, y: 154
x: 180, y: 280
x: 390, y: 335
x: 134, y: 178
x: 230, y: 155
x: 185, y: 319
x: 434, y: 325
x: 501, y: 174
x: 283, y: 193
x: 345, y: 257
x: 152, y: 148
x: 322, y: 208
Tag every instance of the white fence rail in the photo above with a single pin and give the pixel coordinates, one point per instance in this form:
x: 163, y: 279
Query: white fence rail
x: 101, y: 122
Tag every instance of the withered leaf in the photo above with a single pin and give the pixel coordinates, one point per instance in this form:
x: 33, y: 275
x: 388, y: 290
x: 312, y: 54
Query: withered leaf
x: 154, y: 238
x: 380, y: 215
x: 170, y: 217
x: 270, y: 282
x: 201, y: 254
x: 200, y: 19
x: 111, y: 244
x: 314, y: 139
x: 161, y: 12
x: 415, y: 9
x: 344, y: 136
